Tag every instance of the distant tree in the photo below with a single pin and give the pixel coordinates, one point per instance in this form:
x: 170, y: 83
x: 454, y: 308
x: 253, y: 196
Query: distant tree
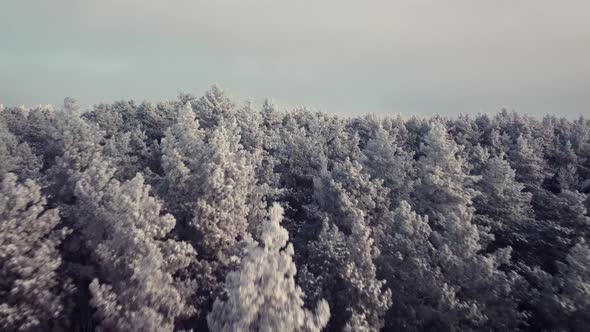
x: 497, y: 143
x: 334, y: 137
x: 156, y: 118
x: 31, y: 290
x: 386, y: 160
x: 261, y: 294
x: 301, y: 153
x: 15, y: 119
x: 249, y: 120
x: 444, y: 185
x: 34, y: 126
x: 528, y: 163
x: 365, y: 126
x: 76, y: 144
x: 464, y: 131
x: 118, y: 117
x: 503, y: 205
x: 214, y: 108
x: 71, y: 105
x: 567, y: 170
x: 17, y: 157
x: 580, y: 139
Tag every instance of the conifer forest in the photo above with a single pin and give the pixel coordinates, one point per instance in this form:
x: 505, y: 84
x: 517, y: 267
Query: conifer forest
x: 206, y: 213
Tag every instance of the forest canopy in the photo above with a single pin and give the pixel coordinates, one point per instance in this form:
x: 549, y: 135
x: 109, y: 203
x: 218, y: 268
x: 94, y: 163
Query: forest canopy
x: 205, y: 213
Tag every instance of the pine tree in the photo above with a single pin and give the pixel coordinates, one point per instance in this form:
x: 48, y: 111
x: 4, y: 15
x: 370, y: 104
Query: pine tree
x: 387, y: 161
x: 528, y: 163
x: 342, y: 257
x: 77, y: 144
x: 250, y: 121
x: 214, y: 108
x: 209, y: 185
x: 445, y: 193
x: 17, y: 157
x: 262, y: 294
x: 421, y: 297
x: 134, y: 289
x: 563, y: 219
x: 503, y: 205
x: 221, y: 212
x: 574, y: 298
x: 182, y: 153
x: 31, y: 290
x: 560, y: 301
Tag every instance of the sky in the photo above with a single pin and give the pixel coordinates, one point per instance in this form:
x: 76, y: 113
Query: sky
x: 419, y: 57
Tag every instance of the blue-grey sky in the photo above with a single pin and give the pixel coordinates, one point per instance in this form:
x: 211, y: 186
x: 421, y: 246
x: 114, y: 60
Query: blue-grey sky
x: 346, y: 57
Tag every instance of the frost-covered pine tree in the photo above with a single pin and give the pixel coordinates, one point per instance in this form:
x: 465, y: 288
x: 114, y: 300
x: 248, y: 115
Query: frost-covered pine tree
x: 444, y: 210
x: 388, y: 161
x: 559, y: 301
x: 337, y: 140
x: 122, y: 224
x: 528, y: 162
x: 214, y: 108
x: 445, y: 193
x: 574, y: 298
x: 209, y: 185
x: 250, y: 120
x: 346, y: 275
x: 77, y: 144
x: 464, y: 131
x: 342, y: 257
x: 33, y: 127
x: 228, y: 177
x: 444, y: 185
x: 407, y: 263
x: 17, y: 157
x: 262, y: 294
x: 31, y: 289
x: 182, y: 154
x: 426, y: 294
x: 497, y: 143
x: 301, y: 153
x: 503, y: 205
x: 348, y: 184
x: 563, y: 219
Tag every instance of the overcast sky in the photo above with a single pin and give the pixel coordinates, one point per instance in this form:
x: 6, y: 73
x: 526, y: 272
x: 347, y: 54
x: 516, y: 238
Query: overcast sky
x: 346, y: 57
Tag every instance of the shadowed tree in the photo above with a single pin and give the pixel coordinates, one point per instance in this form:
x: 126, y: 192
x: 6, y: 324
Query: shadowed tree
x: 444, y: 193
x: 341, y: 265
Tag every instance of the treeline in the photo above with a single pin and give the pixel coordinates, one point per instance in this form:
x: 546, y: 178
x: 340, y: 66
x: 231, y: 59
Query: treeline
x: 201, y: 213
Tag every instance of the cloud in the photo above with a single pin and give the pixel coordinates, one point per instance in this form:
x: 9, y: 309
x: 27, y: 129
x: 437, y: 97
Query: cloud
x: 425, y: 54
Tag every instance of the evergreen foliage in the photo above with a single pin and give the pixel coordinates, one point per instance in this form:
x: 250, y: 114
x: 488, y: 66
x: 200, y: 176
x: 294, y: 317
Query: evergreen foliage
x: 155, y: 217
